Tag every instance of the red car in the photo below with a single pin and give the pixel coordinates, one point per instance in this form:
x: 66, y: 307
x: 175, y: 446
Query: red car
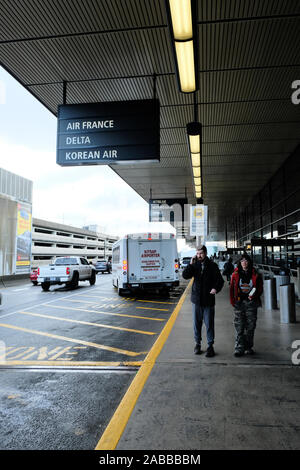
x: 34, y: 276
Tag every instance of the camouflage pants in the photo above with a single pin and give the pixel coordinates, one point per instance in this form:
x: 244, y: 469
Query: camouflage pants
x: 245, y: 316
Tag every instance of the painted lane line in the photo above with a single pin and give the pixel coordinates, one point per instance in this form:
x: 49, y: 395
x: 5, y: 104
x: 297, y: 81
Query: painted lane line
x: 118, y: 422
x: 156, y: 302
x: 39, y: 305
x: 117, y: 305
x: 77, y: 341
x: 99, y: 325
x: 87, y: 301
x: 151, y: 308
x: 127, y: 299
x: 105, y: 313
x: 73, y: 363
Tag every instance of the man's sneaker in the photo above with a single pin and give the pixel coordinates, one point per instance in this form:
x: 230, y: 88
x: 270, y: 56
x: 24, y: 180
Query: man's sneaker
x: 197, y: 349
x: 249, y: 352
x: 238, y: 353
x: 210, y: 352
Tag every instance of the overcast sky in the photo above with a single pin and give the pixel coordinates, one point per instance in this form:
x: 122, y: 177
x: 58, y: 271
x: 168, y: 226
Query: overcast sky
x: 75, y: 196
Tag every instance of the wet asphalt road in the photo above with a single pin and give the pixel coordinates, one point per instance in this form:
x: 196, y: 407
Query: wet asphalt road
x: 68, y: 357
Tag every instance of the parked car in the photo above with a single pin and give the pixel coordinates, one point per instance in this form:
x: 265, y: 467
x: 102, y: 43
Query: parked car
x: 34, y: 276
x: 185, y: 261
x: 66, y: 270
x: 103, y: 266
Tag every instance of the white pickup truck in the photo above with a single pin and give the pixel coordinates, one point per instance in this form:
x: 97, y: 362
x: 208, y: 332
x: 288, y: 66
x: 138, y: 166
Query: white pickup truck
x: 66, y: 270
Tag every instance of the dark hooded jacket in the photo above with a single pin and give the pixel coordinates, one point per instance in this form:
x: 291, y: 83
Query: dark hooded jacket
x: 206, y: 276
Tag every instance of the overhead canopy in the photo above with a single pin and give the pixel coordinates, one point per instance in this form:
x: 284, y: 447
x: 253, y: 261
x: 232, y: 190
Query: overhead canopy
x: 108, y: 50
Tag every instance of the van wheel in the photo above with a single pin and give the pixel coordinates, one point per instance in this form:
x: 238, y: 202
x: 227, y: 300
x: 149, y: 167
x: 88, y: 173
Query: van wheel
x: 45, y: 286
x: 120, y: 291
x: 93, y: 278
x: 164, y: 292
x: 74, y: 282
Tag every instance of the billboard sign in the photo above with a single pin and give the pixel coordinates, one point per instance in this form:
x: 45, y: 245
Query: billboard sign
x: 108, y: 133
x: 23, y: 245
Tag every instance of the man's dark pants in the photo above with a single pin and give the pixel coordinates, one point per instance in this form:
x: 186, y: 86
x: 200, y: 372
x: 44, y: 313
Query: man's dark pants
x: 208, y: 315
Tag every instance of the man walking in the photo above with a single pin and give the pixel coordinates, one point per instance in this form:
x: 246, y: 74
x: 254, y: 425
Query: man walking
x: 207, y: 283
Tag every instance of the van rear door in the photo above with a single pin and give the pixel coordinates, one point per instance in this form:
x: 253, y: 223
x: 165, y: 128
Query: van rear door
x: 168, y: 255
x: 144, y: 261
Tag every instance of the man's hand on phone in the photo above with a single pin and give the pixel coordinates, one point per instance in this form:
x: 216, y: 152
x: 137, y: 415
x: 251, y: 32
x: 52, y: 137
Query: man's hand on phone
x: 193, y: 260
x: 213, y: 292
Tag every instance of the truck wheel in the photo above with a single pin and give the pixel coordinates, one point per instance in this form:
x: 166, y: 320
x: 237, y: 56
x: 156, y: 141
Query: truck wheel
x: 74, y: 282
x: 120, y: 291
x: 93, y: 278
x: 45, y: 286
x: 164, y: 292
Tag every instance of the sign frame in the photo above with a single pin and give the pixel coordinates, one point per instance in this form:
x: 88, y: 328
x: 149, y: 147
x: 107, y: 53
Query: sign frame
x: 116, y: 132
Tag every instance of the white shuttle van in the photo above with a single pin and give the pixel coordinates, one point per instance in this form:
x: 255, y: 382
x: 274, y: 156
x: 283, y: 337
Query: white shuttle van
x: 145, y: 261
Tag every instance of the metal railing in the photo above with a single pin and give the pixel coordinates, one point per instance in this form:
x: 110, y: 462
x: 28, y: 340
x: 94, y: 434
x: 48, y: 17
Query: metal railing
x: 270, y: 271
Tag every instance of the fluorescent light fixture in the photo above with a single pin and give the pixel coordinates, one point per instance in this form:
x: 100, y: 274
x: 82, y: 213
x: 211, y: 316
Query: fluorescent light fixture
x: 182, y: 18
x: 181, y: 14
x: 186, y: 66
x: 194, y: 143
x: 194, y: 130
x: 195, y: 159
x: 196, y: 171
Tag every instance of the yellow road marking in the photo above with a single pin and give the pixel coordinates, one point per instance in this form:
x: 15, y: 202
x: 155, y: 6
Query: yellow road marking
x: 115, y: 428
x: 74, y: 363
x: 98, y: 297
x: 151, y: 308
x: 156, y: 302
x: 105, y: 313
x: 82, y: 301
x: 65, y: 338
x: 27, y: 349
x: 116, y: 298
x: 98, y: 304
x: 99, y: 325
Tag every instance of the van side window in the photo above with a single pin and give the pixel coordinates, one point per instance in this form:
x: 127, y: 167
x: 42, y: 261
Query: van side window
x: 116, y: 255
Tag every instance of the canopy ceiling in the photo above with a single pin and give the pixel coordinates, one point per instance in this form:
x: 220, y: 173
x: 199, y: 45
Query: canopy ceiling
x: 108, y: 50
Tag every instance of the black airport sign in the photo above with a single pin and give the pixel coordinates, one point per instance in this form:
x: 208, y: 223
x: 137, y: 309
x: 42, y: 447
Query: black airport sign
x: 108, y: 133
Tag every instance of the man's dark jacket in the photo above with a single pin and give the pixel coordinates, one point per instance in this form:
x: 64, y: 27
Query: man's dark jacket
x: 207, y: 276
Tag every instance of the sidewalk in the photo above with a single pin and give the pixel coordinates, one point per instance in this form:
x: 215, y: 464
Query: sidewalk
x: 196, y: 403
x: 5, y: 283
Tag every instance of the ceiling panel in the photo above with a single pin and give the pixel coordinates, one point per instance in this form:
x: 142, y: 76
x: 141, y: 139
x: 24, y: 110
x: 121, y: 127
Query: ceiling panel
x: 112, y: 50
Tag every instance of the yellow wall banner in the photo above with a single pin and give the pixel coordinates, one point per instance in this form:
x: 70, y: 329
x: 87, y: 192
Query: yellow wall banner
x: 23, y: 253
